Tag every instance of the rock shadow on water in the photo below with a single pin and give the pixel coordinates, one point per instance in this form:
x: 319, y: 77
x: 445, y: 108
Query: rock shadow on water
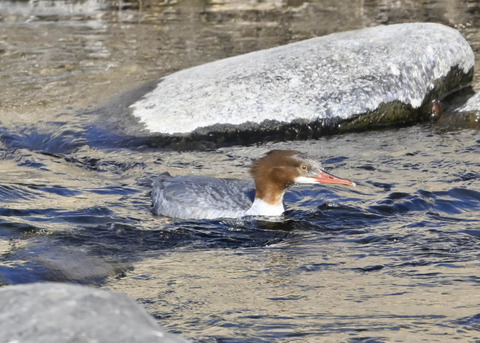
x: 57, y: 138
x: 92, y: 254
x: 46, y: 259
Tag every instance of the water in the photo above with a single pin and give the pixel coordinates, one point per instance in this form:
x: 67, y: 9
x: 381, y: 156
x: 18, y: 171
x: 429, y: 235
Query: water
x: 394, y: 259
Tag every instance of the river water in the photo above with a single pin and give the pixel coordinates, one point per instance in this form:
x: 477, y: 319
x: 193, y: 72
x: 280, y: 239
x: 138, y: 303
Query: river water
x: 394, y: 259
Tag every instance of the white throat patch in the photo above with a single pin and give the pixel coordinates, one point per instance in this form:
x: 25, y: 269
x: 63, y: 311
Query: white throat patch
x: 262, y: 208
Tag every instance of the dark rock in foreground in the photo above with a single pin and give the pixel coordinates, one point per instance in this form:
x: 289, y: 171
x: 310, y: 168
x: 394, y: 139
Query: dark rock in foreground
x: 55, y: 312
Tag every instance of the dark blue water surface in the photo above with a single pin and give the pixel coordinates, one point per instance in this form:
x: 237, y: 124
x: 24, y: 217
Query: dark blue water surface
x: 397, y: 254
x: 396, y: 258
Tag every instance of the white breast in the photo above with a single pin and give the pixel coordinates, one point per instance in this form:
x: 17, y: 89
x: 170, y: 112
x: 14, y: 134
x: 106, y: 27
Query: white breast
x: 262, y: 208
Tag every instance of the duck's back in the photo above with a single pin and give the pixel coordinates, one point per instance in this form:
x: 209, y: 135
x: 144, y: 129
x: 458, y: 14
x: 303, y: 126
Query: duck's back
x: 201, y: 197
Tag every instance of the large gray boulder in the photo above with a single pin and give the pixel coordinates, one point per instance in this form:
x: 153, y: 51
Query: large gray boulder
x: 358, y: 79
x: 56, y: 312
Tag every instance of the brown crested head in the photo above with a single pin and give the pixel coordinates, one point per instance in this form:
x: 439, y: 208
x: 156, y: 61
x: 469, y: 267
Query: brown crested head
x: 274, y: 173
x: 279, y: 169
x: 278, y: 166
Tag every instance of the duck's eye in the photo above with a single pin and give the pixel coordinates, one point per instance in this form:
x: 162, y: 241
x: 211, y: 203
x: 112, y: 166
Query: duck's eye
x: 304, y: 168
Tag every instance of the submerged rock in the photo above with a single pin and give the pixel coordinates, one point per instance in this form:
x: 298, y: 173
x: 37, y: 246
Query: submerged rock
x: 472, y: 105
x: 464, y: 116
x: 55, y: 312
x: 359, y: 79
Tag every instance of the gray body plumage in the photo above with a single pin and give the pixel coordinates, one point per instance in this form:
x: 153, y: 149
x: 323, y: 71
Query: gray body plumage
x: 201, y: 197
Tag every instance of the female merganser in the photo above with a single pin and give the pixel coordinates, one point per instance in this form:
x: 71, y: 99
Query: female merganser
x: 202, y: 197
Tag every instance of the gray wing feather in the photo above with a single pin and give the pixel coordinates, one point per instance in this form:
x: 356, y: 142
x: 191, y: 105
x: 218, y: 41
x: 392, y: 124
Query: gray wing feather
x: 201, y: 197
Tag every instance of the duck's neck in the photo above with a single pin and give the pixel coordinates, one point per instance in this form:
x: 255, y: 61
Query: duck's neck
x: 262, y: 208
x: 268, y: 198
x: 267, y: 202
